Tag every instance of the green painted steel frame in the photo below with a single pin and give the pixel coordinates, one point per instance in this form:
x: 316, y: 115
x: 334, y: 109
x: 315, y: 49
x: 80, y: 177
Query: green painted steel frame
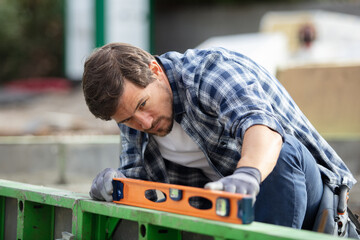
x: 100, y: 27
x: 98, y: 220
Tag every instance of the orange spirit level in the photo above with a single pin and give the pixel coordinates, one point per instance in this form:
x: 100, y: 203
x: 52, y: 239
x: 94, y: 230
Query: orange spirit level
x: 225, y: 207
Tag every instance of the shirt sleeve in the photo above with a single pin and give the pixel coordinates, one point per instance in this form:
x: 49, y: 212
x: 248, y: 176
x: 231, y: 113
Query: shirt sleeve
x: 131, y: 163
x: 245, y: 108
x: 239, y: 98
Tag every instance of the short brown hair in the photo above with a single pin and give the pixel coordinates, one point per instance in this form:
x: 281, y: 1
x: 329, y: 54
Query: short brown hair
x: 104, y: 74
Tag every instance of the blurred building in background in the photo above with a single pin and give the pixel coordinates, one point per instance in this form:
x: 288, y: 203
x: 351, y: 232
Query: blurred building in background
x: 42, y: 38
x: 316, y: 56
x: 93, y: 23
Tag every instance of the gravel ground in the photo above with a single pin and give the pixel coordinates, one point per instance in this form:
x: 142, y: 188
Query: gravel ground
x: 50, y: 114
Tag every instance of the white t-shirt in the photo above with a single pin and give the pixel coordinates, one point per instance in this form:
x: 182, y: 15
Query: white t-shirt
x: 178, y: 147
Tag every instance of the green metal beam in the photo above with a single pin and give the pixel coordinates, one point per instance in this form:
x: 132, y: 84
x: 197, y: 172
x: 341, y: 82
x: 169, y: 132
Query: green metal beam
x: 152, y: 26
x: 36, y: 221
x: 99, y: 220
x: 99, y: 23
x: 150, y: 231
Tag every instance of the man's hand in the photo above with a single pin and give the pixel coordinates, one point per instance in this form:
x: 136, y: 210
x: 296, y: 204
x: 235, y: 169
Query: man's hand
x: 245, y: 180
x: 102, y: 188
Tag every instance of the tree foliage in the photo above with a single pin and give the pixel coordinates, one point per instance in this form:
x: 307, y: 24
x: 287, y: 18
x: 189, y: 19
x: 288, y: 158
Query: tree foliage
x: 31, y: 38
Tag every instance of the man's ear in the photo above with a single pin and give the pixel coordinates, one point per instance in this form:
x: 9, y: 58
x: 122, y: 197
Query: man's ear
x: 155, y: 67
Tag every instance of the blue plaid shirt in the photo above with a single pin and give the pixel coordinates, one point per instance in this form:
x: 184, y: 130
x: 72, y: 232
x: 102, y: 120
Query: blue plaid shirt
x: 217, y: 96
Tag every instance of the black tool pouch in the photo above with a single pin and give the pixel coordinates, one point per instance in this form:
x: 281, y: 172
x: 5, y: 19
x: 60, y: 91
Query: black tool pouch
x: 329, y: 221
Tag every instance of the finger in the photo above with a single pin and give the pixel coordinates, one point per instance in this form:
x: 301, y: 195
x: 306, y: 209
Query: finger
x: 241, y: 190
x: 108, y: 178
x: 93, y: 195
x: 253, y: 199
x: 107, y: 197
x: 98, y: 183
x: 230, y: 188
x: 214, y: 186
x: 251, y: 190
x: 96, y: 186
x: 95, y: 192
x: 109, y: 175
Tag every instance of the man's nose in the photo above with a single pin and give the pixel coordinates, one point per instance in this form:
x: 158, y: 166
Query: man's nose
x: 144, y: 120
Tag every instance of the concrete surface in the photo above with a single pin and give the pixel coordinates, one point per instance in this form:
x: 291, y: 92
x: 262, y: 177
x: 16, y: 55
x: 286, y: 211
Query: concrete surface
x: 54, y: 161
x: 61, y: 162
x: 52, y: 113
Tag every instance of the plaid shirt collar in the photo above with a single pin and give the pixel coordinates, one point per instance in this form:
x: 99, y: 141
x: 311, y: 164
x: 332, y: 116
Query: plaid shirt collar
x: 178, y: 101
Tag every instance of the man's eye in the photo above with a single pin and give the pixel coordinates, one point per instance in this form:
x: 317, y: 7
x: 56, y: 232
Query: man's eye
x: 143, y: 104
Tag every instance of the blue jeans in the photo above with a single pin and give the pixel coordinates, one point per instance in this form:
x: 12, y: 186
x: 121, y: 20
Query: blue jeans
x: 291, y: 194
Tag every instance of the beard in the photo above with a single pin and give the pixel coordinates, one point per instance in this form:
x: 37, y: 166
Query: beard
x: 168, y: 123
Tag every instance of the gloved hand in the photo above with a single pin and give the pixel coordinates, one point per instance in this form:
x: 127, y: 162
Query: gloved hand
x: 102, y: 188
x: 244, y: 180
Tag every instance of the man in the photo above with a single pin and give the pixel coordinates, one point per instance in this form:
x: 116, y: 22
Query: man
x: 211, y: 118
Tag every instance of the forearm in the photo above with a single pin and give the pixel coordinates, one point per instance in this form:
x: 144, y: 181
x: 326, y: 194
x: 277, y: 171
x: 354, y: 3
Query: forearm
x: 260, y: 149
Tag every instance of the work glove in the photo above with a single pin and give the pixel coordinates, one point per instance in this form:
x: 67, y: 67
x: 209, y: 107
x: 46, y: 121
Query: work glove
x: 244, y: 180
x: 102, y: 188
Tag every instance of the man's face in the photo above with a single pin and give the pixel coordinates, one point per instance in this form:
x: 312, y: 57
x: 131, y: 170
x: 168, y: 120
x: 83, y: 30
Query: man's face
x: 147, y: 109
